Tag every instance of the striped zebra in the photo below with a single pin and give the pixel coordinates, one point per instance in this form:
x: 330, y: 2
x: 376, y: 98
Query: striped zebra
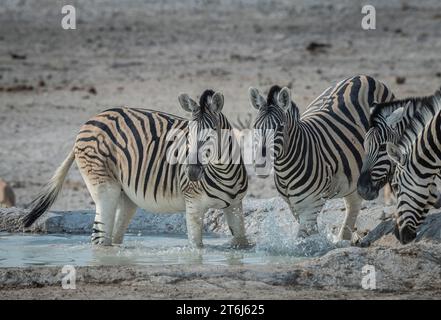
x: 388, y: 123
x: 418, y: 164
x: 317, y: 156
x: 133, y: 158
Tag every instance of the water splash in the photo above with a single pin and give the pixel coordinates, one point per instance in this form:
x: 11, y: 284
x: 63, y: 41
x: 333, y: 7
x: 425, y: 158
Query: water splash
x: 278, y: 235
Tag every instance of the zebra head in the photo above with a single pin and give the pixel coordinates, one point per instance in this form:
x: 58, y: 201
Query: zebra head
x: 416, y: 193
x: 378, y: 168
x: 271, y: 126
x: 203, y: 131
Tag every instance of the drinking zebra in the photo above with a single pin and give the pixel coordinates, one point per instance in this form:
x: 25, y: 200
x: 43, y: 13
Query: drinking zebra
x: 388, y: 123
x: 418, y: 164
x: 317, y: 156
x: 133, y: 158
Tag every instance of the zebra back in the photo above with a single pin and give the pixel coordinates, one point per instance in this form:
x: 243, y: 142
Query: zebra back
x: 320, y: 153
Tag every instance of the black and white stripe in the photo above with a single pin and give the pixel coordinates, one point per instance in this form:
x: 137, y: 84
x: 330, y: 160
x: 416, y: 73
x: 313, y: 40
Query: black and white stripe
x: 377, y: 167
x: 417, y: 155
x: 317, y: 156
x: 125, y: 157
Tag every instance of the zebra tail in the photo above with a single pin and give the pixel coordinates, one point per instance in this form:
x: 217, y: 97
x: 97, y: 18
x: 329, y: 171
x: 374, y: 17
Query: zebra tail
x: 49, y: 194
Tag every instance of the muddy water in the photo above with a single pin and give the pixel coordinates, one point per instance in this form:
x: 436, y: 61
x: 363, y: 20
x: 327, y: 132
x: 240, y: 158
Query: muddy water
x: 18, y: 250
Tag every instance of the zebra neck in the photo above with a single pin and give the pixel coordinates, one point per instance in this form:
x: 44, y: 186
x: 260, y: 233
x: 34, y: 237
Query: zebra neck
x: 300, y: 155
x: 295, y: 131
x: 425, y: 153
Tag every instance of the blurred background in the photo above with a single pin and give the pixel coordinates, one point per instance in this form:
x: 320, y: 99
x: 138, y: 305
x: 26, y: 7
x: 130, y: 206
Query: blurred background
x: 144, y: 53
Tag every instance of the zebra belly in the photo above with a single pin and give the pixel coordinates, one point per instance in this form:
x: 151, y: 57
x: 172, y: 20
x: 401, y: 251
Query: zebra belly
x: 338, y: 189
x: 172, y: 204
x: 160, y: 204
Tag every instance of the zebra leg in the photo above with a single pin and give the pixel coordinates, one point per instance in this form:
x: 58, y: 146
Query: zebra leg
x: 389, y: 197
x: 353, y: 205
x: 106, y: 197
x: 124, y: 213
x: 308, y: 223
x: 235, y: 221
x: 195, y: 221
x: 307, y: 218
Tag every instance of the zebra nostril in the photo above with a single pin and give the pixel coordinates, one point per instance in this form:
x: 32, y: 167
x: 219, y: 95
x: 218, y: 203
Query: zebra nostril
x: 366, y: 188
x: 195, y: 172
x: 405, y: 235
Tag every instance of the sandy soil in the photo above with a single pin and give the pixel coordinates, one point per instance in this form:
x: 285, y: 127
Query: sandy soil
x: 193, y: 290
x: 338, y: 274
x: 144, y: 53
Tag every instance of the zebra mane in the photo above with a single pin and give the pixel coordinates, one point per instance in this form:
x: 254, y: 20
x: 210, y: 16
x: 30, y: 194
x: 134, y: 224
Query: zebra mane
x: 205, y: 99
x: 204, y: 103
x: 382, y: 110
x: 417, y: 123
x: 272, y: 95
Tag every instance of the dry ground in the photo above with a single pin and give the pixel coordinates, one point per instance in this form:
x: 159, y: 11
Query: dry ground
x: 144, y: 53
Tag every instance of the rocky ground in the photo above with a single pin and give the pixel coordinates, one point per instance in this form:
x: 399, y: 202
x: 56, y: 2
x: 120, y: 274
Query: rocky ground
x: 411, y: 271
x: 408, y: 272
x: 143, y: 54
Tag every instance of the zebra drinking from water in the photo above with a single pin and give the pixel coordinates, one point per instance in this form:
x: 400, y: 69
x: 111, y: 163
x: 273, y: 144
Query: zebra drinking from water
x: 317, y: 156
x: 132, y: 158
x: 418, y: 164
x: 388, y: 123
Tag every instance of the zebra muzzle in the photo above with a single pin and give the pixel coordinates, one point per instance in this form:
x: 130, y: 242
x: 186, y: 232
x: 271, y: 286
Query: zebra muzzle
x: 366, y: 188
x: 195, y: 172
x: 405, y: 234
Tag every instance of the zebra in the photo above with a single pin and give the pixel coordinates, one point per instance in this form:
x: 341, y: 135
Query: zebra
x: 388, y: 123
x: 316, y: 156
x: 418, y: 164
x: 130, y: 157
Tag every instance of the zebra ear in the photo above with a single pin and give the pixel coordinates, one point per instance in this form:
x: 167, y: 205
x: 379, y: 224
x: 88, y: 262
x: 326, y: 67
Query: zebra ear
x: 257, y: 101
x: 284, y: 99
x: 187, y: 103
x: 396, y: 116
x: 394, y: 152
x: 217, y: 102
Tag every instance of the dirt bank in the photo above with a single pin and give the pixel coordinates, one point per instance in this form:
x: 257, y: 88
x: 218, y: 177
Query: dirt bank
x: 412, y: 271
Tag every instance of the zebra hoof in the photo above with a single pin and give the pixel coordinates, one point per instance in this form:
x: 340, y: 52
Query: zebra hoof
x: 101, y: 241
x: 302, y: 234
x: 345, y: 234
x: 241, y: 243
x: 306, y: 232
x: 198, y: 245
x: 356, y: 238
x: 353, y: 237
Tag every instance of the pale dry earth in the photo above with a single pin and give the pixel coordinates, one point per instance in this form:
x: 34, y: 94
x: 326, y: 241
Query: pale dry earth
x: 143, y: 54
x: 406, y: 272
x: 409, y: 272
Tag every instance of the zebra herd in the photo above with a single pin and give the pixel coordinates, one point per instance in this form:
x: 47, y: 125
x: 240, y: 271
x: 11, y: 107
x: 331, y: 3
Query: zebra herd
x: 350, y: 142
